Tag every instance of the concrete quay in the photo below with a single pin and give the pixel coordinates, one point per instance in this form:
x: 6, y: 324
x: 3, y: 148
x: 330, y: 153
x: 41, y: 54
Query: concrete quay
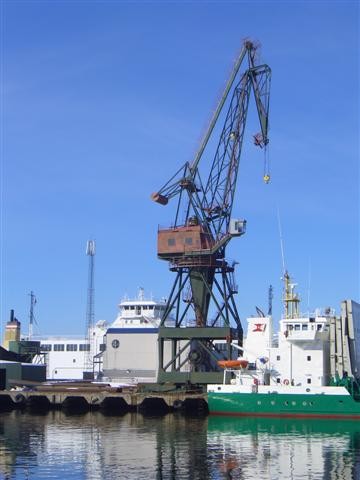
x: 92, y: 397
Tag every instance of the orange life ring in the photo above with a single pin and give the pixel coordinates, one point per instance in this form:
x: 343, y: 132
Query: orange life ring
x: 286, y: 381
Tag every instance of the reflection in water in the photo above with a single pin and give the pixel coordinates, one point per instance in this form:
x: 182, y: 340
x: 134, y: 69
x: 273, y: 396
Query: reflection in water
x: 93, y: 446
x: 284, y: 448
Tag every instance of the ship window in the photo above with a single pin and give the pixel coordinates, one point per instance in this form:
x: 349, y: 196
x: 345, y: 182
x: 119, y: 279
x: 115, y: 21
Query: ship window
x: 115, y: 343
x: 188, y: 241
x: 151, y: 307
x: 45, y: 348
x: 132, y: 307
x: 297, y: 327
x: 84, y: 347
x: 126, y: 308
x: 145, y: 307
x: 59, y: 347
x: 171, y: 242
x: 308, y: 380
x: 304, y: 326
x: 308, y: 358
x: 278, y: 380
x: 319, y: 327
x: 102, y: 347
x: 278, y: 358
x: 291, y: 327
x: 74, y: 360
x: 71, y: 347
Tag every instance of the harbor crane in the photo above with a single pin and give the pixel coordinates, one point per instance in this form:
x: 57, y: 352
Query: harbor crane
x: 195, y: 244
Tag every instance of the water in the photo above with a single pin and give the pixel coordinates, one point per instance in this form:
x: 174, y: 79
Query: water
x: 94, y: 446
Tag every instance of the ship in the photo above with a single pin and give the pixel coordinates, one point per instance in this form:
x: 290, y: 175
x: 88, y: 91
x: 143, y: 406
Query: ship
x: 310, y: 368
x: 122, y: 351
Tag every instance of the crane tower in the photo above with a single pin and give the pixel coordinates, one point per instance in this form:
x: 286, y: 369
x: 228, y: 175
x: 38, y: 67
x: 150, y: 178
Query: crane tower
x: 202, y: 296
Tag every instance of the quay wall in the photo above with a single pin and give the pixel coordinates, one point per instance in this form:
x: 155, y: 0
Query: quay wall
x: 106, y: 399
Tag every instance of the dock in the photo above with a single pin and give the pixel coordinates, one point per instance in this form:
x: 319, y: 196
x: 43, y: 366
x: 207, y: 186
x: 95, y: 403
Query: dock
x: 90, y: 396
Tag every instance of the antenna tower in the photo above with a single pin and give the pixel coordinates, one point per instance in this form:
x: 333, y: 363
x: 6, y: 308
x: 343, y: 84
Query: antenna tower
x: 31, y: 315
x: 88, y: 363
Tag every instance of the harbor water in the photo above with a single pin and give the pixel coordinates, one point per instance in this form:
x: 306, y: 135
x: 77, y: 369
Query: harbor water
x: 94, y: 446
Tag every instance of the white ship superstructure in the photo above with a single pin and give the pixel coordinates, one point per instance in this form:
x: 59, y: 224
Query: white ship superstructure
x: 124, y: 350
x: 65, y: 355
x: 131, y: 342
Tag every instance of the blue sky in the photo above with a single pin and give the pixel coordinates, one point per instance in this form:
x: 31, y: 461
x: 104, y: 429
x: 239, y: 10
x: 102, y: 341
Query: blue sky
x: 103, y: 101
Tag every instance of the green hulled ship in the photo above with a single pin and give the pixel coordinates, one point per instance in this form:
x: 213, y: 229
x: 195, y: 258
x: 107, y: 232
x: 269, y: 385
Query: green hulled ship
x: 309, y: 369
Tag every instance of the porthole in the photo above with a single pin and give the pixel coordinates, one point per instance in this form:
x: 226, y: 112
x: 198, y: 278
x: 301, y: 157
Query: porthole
x: 115, y: 343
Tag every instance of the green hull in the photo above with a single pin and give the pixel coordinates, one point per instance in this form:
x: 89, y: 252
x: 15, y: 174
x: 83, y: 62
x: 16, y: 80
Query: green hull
x: 283, y: 405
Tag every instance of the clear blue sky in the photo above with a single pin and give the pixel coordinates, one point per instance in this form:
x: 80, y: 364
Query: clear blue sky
x: 103, y: 101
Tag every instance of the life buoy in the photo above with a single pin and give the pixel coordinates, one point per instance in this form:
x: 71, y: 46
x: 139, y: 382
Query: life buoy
x: 286, y: 381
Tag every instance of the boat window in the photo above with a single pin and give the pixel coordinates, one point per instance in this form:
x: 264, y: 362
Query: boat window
x: 145, y: 307
x: 132, y: 307
x: 188, y: 241
x: 319, y: 327
x: 45, y: 347
x: 297, y: 327
x: 102, y: 347
x: 291, y: 326
x: 84, y: 347
x: 304, y: 326
x: 126, y: 308
x: 138, y: 310
x: 278, y: 380
x: 308, y: 358
x: 151, y: 307
x: 59, y: 347
x: 171, y: 242
x: 71, y: 347
x: 308, y: 380
x: 278, y: 358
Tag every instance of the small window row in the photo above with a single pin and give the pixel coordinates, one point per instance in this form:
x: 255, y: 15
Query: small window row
x: 304, y: 326
x: 60, y: 347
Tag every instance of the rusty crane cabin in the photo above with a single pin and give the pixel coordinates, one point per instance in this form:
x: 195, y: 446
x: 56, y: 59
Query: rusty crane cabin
x: 183, y: 239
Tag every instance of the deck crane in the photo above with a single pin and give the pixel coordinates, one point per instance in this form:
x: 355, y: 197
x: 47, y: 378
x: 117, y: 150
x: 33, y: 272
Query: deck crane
x: 195, y: 244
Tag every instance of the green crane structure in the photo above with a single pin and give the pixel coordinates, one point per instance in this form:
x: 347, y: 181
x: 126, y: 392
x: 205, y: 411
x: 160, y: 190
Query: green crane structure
x: 202, y: 296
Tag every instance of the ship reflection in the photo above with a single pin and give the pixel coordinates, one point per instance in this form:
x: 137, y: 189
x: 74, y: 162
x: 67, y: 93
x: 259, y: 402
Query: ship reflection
x: 93, y: 446
x: 249, y: 448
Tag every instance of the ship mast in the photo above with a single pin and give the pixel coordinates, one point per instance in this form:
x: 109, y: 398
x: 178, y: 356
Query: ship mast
x: 291, y: 299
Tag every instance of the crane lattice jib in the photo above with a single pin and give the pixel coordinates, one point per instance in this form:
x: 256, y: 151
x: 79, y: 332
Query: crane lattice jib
x: 218, y: 196
x: 211, y: 203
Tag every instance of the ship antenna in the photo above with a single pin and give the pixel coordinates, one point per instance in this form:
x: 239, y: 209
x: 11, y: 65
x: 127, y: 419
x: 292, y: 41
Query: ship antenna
x: 309, y: 284
x: 270, y: 299
x: 281, y: 243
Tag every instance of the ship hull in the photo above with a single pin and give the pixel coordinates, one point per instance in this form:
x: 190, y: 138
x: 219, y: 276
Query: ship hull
x: 283, y: 405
